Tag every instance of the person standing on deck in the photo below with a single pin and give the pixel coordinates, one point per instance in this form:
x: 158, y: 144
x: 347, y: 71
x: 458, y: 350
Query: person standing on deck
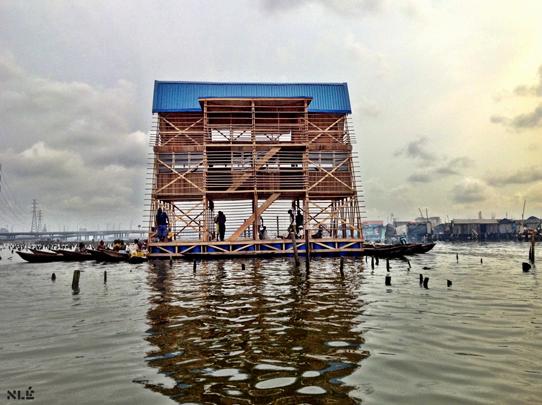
x: 214, y: 236
x: 162, y: 222
x: 291, y: 227
x: 221, y: 225
x: 298, y: 221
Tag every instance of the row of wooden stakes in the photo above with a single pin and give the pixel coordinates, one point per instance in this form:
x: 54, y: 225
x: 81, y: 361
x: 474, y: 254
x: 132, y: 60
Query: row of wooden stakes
x: 76, y: 277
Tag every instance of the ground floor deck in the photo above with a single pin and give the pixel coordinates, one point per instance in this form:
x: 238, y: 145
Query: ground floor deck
x: 243, y: 248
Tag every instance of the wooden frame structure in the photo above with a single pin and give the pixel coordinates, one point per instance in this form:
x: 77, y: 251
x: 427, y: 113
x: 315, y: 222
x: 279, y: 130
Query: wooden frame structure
x: 254, y: 158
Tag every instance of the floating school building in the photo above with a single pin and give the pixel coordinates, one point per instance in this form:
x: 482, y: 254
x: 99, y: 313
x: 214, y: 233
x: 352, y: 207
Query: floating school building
x: 254, y: 151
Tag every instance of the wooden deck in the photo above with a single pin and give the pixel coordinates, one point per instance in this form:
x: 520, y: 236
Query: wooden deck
x: 254, y: 248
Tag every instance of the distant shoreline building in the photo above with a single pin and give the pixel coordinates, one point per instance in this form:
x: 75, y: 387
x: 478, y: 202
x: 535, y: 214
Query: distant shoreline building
x: 457, y: 229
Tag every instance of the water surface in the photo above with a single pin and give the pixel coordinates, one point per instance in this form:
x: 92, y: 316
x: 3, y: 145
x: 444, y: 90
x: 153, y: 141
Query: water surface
x: 160, y: 333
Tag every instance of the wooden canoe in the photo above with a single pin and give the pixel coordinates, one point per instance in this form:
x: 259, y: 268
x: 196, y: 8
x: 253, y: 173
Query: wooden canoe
x: 74, y: 256
x: 112, y: 256
x: 42, y: 252
x: 41, y: 258
x: 386, y: 251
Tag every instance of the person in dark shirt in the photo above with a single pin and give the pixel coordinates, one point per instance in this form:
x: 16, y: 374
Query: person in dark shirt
x: 221, y: 222
x: 162, y: 222
x: 298, y: 221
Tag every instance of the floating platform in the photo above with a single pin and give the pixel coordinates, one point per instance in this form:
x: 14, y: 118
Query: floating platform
x: 254, y: 248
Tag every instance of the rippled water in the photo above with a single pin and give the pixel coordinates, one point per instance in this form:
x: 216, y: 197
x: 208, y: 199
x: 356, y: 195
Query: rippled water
x: 157, y: 333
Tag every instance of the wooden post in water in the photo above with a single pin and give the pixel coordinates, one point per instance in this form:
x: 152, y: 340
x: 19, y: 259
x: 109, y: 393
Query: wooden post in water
x: 372, y: 262
x: 195, y: 265
x: 388, y: 264
x: 75, y: 279
x: 242, y: 266
x: 307, y: 246
x: 294, y: 245
x: 426, y: 282
x: 53, y: 276
x: 105, y: 276
x: 533, y: 240
x: 457, y: 257
x: 341, y: 266
x: 307, y: 252
x: 388, y: 280
x: 421, y: 279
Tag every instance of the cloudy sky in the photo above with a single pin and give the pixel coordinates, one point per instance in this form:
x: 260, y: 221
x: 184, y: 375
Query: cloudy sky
x: 446, y: 95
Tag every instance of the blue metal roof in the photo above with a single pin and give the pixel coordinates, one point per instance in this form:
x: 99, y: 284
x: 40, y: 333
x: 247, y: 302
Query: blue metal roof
x: 184, y: 96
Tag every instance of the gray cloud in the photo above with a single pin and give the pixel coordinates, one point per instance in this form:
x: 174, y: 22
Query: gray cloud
x: 450, y: 167
x: 344, y: 7
x: 522, y: 176
x: 532, y: 119
x: 420, y: 177
x: 72, y: 146
x: 416, y: 150
x: 535, y: 90
x: 528, y: 120
x: 454, y: 166
x: 469, y: 190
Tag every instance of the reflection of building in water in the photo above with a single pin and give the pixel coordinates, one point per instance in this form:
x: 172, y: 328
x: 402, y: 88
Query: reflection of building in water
x: 267, y: 334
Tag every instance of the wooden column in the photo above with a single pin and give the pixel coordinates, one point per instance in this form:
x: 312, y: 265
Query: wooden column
x: 255, y: 213
x: 207, y: 220
x: 306, y: 226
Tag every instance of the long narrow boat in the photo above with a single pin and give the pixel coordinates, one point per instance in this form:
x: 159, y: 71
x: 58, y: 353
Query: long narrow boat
x: 98, y: 255
x: 42, y: 252
x: 74, y: 256
x: 108, y: 255
x: 386, y: 251
x: 41, y: 258
x: 113, y: 256
x: 424, y: 248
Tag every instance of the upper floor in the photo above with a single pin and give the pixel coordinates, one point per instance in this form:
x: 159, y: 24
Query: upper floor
x: 194, y: 114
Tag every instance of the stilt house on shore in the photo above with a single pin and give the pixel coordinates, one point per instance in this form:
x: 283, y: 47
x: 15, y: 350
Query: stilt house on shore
x: 254, y: 151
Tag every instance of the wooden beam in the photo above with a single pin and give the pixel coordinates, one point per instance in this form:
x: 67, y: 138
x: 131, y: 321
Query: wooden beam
x: 325, y: 131
x: 190, y: 169
x: 259, y: 163
x: 181, y: 176
x: 181, y: 131
x: 250, y: 220
x: 330, y: 174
